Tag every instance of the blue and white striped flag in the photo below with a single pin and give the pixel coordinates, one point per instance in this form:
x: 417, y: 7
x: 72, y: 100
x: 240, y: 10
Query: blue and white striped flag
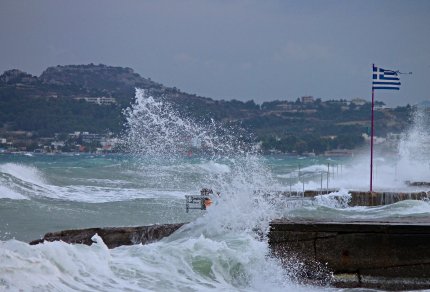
x: 385, y: 79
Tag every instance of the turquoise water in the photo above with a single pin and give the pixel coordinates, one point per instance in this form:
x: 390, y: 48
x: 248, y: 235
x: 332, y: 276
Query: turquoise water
x: 58, y: 192
x: 43, y: 193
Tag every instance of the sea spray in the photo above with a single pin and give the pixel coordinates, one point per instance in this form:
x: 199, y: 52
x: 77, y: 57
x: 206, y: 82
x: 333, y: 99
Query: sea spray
x: 159, y: 135
x: 407, y: 160
x: 335, y: 200
x: 240, y: 215
x: 159, y: 138
x: 414, y: 150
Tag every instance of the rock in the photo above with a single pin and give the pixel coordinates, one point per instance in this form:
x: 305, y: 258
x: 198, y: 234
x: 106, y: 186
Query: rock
x: 113, y: 236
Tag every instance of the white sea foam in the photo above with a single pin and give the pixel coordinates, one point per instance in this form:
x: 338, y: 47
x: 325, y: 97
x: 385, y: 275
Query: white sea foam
x: 407, y: 208
x: 315, y: 168
x: 193, y: 263
x: 20, y: 181
x: 338, y: 199
x: 7, y: 193
x: 24, y: 173
x: 97, y: 194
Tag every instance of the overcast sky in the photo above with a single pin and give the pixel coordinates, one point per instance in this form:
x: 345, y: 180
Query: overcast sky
x: 260, y: 50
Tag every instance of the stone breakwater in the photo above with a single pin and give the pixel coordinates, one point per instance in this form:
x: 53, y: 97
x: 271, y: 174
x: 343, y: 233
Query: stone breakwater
x: 113, y: 236
x: 393, y: 254
x: 389, y: 254
x: 360, y: 198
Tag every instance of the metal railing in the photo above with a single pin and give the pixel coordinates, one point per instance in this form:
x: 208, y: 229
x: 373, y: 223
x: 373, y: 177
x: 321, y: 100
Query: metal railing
x: 303, y: 177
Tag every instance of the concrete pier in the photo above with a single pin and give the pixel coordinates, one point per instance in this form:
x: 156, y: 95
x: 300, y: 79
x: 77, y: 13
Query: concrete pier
x: 360, y: 198
x: 113, y: 236
x: 393, y: 254
x: 384, y: 198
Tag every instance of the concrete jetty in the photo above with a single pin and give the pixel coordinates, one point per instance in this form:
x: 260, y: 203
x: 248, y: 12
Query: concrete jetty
x: 113, y: 236
x: 388, y: 253
x: 362, y: 198
x: 393, y: 254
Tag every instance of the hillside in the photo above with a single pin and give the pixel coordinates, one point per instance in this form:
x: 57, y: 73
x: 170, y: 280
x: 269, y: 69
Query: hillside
x: 65, y: 99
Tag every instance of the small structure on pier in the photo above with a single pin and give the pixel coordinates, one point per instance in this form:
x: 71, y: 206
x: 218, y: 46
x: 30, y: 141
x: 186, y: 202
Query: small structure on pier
x: 199, y: 202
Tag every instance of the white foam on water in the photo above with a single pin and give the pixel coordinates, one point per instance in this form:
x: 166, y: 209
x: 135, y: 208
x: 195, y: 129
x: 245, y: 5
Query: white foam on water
x: 7, y: 193
x: 315, y: 168
x: 97, y: 194
x: 335, y: 200
x: 24, y: 173
x: 20, y: 181
x: 407, y: 208
x: 57, y: 266
x: 194, y: 263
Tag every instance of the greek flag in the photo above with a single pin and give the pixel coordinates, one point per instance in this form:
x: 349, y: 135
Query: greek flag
x: 385, y: 79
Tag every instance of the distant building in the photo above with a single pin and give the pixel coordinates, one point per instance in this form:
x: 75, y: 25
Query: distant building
x: 74, y: 135
x: 109, y: 143
x: 331, y: 137
x: 98, y: 100
x: 339, y: 153
x: 309, y: 111
x: 376, y: 140
x: 91, y: 138
x: 57, y: 144
x: 358, y: 101
x: 307, y: 99
x: 381, y: 107
x: 285, y: 106
x: 340, y: 102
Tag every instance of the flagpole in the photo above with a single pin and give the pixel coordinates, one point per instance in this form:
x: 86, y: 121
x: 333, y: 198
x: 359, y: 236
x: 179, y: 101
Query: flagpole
x: 381, y: 79
x: 371, y: 139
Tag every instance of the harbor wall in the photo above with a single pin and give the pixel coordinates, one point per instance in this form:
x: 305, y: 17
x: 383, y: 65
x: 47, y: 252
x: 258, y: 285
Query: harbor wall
x: 382, y: 255
x: 360, y: 198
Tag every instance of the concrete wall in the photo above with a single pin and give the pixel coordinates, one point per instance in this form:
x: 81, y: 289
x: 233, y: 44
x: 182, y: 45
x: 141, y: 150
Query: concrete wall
x: 391, y: 256
x: 359, y: 198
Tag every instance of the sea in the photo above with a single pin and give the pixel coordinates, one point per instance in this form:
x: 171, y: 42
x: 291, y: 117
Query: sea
x: 167, y: 156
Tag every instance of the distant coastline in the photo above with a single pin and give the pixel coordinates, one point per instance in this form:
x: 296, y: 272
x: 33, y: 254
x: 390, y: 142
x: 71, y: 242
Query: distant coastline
x: 44, y: 113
